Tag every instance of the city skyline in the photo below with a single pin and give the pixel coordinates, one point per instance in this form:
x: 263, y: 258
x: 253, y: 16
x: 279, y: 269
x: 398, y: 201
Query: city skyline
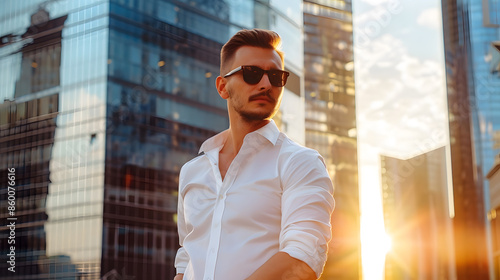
x: 127, y: 96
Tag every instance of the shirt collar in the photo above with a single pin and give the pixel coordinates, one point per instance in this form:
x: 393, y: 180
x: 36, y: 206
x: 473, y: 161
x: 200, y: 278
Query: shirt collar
x: 270, y: 132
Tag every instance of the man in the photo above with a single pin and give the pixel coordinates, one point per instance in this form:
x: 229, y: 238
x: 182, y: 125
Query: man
x: 253, y: 204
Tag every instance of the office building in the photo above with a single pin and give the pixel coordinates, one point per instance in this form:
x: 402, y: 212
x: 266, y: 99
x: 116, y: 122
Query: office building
x: 415, y: 207
x: 102, y: 102
x: 331, y: 123
x: 470, y: 28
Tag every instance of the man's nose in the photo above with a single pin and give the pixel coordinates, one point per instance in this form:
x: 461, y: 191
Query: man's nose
x: 264, y: 82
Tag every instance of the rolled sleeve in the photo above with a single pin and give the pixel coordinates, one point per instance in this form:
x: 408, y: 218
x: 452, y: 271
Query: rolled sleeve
x: 181, y: 260
x: 307, y: 205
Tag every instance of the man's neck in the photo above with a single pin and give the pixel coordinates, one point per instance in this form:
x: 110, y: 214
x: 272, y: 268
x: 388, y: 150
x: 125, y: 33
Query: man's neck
x: 237, y: 132
x: 234, y: 142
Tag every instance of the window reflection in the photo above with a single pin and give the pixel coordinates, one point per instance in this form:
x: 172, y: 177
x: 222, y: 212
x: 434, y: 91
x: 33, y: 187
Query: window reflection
x: 49, y: 208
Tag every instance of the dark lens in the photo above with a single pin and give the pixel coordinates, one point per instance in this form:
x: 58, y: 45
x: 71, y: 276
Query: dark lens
x: 252, y: 74
x: 277, y: 78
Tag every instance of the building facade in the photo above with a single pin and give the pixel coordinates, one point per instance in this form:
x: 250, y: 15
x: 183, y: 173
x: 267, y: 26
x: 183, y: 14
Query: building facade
x: 470, y: 28
x: 415, y: 207
x: 102, y: 102
x: 331, y: 123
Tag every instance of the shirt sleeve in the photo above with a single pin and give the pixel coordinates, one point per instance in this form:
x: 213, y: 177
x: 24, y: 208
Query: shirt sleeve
x: 307, y: 205
x: 182, y: 257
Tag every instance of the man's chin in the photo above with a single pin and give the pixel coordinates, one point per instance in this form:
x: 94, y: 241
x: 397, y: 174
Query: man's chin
x: 256, y: 116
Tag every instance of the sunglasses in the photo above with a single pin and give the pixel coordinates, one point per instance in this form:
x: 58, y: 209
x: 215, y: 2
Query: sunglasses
x: 253, y: 74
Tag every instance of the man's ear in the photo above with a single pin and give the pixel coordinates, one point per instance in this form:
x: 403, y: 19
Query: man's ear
x: 220, y: 84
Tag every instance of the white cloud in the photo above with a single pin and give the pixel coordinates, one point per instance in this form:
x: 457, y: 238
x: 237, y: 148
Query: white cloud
x: 400, y: 98
x: 374, y: 21
x: 377, y: 51
x: 430, y: 18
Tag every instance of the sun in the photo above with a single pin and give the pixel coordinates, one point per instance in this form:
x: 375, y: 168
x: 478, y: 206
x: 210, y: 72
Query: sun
x: 386, y: 243
x: 375, y: 244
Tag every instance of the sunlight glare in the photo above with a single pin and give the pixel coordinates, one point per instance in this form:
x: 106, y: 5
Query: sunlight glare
x: 375, y: 243
x: 386, y: 243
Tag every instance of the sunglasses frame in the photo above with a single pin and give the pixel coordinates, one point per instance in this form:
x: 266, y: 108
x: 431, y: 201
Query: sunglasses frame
x: 272, y: 80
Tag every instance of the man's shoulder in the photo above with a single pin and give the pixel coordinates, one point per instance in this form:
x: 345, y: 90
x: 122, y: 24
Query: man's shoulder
x: 293, y: 153
x: 193, y: 164
x: 290, y: 147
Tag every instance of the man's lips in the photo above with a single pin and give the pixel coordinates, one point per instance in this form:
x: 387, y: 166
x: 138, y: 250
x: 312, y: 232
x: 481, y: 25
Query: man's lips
x: 261, y: 99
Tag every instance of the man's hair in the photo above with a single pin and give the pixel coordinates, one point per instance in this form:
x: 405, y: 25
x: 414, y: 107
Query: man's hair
x: 261, y: 38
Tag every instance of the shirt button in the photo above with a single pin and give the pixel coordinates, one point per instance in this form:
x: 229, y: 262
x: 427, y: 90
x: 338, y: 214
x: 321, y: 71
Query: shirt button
x: 221, y: 196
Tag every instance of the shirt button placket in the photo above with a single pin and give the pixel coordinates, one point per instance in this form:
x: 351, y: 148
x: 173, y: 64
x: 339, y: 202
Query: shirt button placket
x: 215, y: 233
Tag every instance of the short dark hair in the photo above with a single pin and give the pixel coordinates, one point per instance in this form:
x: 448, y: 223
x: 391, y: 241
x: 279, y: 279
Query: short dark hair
x: 261, y: 38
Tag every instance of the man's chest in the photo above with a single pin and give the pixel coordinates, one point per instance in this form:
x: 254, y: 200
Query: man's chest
x: 252, y: 194
x: 225, y: 160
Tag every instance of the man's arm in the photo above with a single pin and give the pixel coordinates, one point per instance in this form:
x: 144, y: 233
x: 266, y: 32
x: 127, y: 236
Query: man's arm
x: 179, y: 276
x: 283, y: 267
x: 306, y: 206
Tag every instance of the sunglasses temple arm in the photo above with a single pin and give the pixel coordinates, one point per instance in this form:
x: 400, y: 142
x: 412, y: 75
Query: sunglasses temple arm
x: 232, y: 72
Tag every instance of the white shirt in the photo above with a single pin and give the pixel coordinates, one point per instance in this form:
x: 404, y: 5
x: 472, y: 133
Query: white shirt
x: 276, y: 196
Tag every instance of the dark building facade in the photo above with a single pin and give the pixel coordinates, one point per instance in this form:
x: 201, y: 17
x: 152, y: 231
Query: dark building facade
x: 470, y: 28
x: 331, y: 123
x: 103, y: 101
x: 416, y: 216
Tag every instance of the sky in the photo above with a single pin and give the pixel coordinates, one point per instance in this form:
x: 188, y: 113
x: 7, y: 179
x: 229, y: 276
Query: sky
x: 400, y: 99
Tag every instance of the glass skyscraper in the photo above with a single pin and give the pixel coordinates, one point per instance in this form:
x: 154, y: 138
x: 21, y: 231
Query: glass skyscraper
x: 102, y: 101
x: 331, y: 123
x: 470, y: 28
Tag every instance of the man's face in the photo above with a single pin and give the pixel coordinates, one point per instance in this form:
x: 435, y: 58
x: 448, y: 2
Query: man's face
x: 254, y: 102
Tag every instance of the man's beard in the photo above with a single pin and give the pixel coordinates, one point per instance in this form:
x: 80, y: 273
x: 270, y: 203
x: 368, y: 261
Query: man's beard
x: 250, y: 116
